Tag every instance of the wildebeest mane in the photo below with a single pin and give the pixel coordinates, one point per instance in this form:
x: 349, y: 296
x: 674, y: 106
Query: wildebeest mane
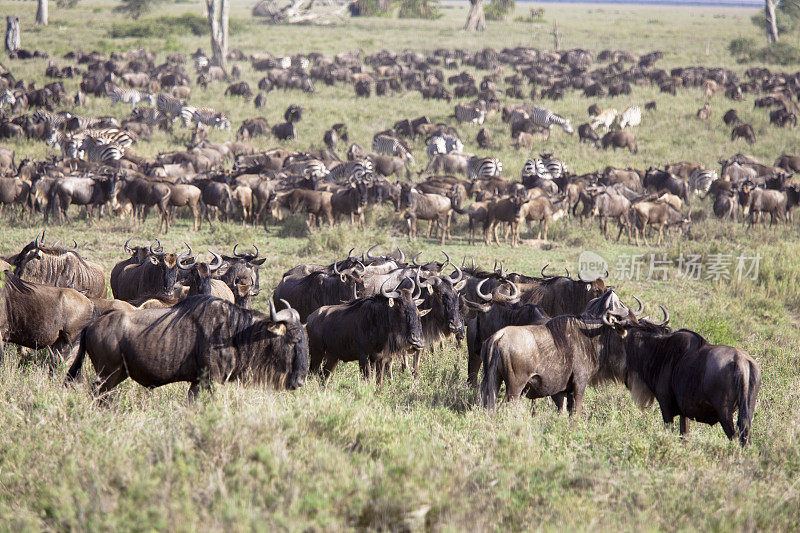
x: 17, y: 284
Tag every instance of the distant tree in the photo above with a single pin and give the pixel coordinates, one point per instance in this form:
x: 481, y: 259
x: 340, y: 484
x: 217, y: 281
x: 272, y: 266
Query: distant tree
x: 476, y: 20
x: 42, y: 13
x: 135, y: 8
x: 499, y: 9
x: 771, y: 21
x: 218, y: 22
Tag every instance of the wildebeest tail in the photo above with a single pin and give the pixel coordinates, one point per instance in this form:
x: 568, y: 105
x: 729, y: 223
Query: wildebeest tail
x: 75, y: 370
x: 749, y: 379
x: 489, y: 385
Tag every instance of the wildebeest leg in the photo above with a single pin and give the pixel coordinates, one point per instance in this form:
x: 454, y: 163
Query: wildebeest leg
x: 328, y: 367
x: 443, y: 227
x: 106, y: 380
x: 684, y: 425
x: 415, y: 364
x: 494, y: 231
x: 201, y: 385
x: 560, y: 400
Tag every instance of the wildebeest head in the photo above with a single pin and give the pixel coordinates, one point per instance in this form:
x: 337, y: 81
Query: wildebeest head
x: 168, y: 267
x: 139, y: 254
x: 241, y: 274
x: 405, y: 302
x: 613, y: 312
x: 199, y: 273
x: 444, y: 301
x: 350, y: 276
x: 287, y: 323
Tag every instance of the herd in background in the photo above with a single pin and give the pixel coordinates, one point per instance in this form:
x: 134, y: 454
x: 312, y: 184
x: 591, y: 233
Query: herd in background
x: 175, y: 318
x: 97, y: 164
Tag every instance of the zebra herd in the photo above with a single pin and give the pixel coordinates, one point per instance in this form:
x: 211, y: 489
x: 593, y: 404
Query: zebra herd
x: 173, y: 107
x: 631, y: 117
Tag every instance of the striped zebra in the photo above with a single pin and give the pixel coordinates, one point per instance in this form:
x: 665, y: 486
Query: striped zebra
x: 348, y: 170
x: 169, y: 106
x: 64, y: 142
x: 605, y: 118
x: 130, y: 96
x: 146, y: 115
x: 7, y: 98
x: 545, y: 118
x: 700, y: 181
x: 555, y: 167
x: 204, y: 115
x: 386, y: 144
x: 54, y: 120
x: 76, y: 123
x: 630, y: 117
x: 95, y: 151
x: 535, y: 168
x: 444, y: 144
x: 472, y: 113
x: 315, y: 169
x: 111, y: 136
x: 484, y: 167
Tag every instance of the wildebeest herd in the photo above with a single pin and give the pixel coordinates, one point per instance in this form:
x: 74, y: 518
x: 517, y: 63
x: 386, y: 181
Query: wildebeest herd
x: 96, y: 166
x: 176, y: 318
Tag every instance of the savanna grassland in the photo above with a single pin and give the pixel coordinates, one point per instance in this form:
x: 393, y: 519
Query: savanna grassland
x: 419, y: 454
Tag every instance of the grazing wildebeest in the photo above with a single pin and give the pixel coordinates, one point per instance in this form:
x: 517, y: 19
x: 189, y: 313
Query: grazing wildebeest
x: 691, y: 378
x: 60, y: 267
x: 40, y: 316
x: 241, y: 276
x: 498, y: 311
x: 315, y: 203
x: 704, y: 113
x: 308, y: 291
x: 370, y: 330
x: 731, y: 117
x: 557, y: 359
x: 153, y: 278
x: 608, y: 205
x: 789, y: 163
x: 200, y: 340
x: 744, y: 131
x: 586, y: 133
x: 620, y: 139
x: 765, y: 201
x: 284, y: 131
x: 659, y: 214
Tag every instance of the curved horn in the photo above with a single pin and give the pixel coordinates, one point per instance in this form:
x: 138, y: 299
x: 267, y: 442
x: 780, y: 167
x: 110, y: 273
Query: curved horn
x: 417, y: 292
x: 126, y: 247
x: 160, y: 247
x: 484, y: 297
x: 638, y: 312
x: 350, y: 253
x: 217, y: 261
x: 503, y: 271
x: 363, y: 268
x: 458, y: 272
x: 608, y: 319
x: 402, y: 256
x: 369, y: 252
x: 448, y: 262
x: 36, y: 242
x: 335, y: 268
x: 74, y: 246
x: 514, y: 295
x: 393, y: 294
x: 414, y: 259
x: 666, y: 316
x: 606, y: 275
x: 151, y: 249
x: 272, y: 311
x: 186, y: 254
x: 288, y: 314
x: 256, y: 249
x: 234, y: 250
x: 567, y: 270
x: 545, y: 276
x: 55, y: 244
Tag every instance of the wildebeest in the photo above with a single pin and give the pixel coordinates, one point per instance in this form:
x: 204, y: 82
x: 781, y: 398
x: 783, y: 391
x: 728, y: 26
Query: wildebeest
x: 60, y: 267
x: 586, y: 133
x: 284, y: 131
x: 142, y: 194
x: 765, y: 201
x: 40, y: 316
x: 731, y: 117
x: 138, y: 255
x: 615, y: 206
x: 744, y: 131
x: 658, y: 180
x: 241, y: 275
x: 14, y: 191
x: 316, y: 204
x: 663, y: 215
x: 307, y: 292
x: 562, y: 295
x: 789, y: 163
x: 691, y: 378
x: 620, y: 139
x: 200, y: 340
x: 87, y: 191
x: 199, y: 278
x: 370, y: 330
x: 152, y: 278
x: 726, y: 205
x: 557, y: 359
x: 425, y: 206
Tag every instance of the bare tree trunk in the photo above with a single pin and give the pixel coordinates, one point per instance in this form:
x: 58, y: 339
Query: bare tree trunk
x: 12, y: 34
x: 556, y: 36
x: 218, y: 15
x: 42, y: 13
x: 771, y: 22
x: 476, y: 21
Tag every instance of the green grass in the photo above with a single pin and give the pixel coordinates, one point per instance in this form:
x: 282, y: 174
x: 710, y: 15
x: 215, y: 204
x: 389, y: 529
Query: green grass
x: 419, y: 454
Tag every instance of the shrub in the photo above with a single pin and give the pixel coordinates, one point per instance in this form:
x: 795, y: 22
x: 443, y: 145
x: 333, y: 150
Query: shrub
x: 185, y: 24
x: 498, y: 9
x: 741, y: 46
x: 419, y: 9
x: 370, y: 8
x: 780, y: 53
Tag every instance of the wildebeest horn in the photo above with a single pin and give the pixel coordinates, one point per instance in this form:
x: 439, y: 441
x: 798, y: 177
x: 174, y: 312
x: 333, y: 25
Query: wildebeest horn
x: 638, y: 312
x: 36, y: 242
x: 402, y: 255
x: 151, y: 249
x: 414, y: 259
x: 608, y: 319
x: 459, y: 274
x: 567, y: 270
x: 484, y: 297
x: 288, y: 314
x: 503, y: 271
x: 350, y: 253
x: 126, y: 247
x: 74, y: 246
x: 160, y: 248
x: 256, y: 249
x: 183, y: 254
x: 606, y: 275
x: 545, y: 276
x: 392, y: 294
x: 335, y: 268
x: 369, y: 252
x: 448, y: 262
x: 234, y: 250
x: 666, y: 316
x: 272, y: 311
x: 417, y: 292
x: 514, y: 295
x: 217, y: 262
x: 360, y: 264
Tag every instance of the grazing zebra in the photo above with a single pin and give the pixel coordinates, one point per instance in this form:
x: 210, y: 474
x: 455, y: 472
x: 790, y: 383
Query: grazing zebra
x: 111, y: 136
x: 555, y: 167
x: 146, y: 115
x: 7, y: 98
x: 545, y: 118
x: 204, y: 115
x: 630, y: 117
x: 169, y: 106
x: 484, y: 167
x: 54, y: 120
x: 348, y: 170
x: 386, y: 144
x: 130, y: 96
x: 95, y: 151
x: 444, y: 144
x: 315, y: 169
x: 535, y: 168
x: 700, y: 181
x: 605, y: 118
x: 473, y: 113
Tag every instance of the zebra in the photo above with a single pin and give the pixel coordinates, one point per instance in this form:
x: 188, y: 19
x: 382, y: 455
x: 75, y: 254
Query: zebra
x: 386, y: 144
x: 630, y: 117
x: 169, y: 106
x: 7, y: 98
x: 146, y: 115
x: 555, y: 167
x: 444, y: 144
x: 67, y: 143
x: 111, y: 135
x: 545, y: 118
x: 700, y: 181
x: 473, y: 113
x: 484, y: 167
x: 315, y: 169
x: 54, y: 120
x: 348, y: 170
x: 94, y: 150
x: 536, y: 168
x: 605, y: 118
x: 130, y: 96
x: 204, y: 115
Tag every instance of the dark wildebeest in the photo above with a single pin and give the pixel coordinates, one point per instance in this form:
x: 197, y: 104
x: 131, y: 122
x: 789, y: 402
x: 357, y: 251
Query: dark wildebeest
x: 616, y: 206
x: 562, y: 295
x: 350, y: 201
x: 284, y: 131
x: 200, y: 340
x: 691, y: 378
x: 60, y: 267
x: 731, y: 117
x: 620, y: 139
x: 783, y: 118
x: 744, y: 131
x: 586, y: 133
x: 503, y: 210
x: 199, y: 278
x: 241, y: 88
x: 659, y: 180
x: 241, y: 276
x: 370, y: 330
x: 88, y: 192
x: 726, y: 205
x: 38, y: 316
x: 152, y: 278
x: 659, y: 214
x: 789, y: 163
x: 557, y: 359
x: 142, y: 195
x: 138, y: 255
x: 219, y: 197
x: 308, y: 292
x: 498, y: 311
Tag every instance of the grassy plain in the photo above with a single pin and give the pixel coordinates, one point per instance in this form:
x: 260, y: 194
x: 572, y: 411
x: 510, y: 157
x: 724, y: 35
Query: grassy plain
x: 417, y: 455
